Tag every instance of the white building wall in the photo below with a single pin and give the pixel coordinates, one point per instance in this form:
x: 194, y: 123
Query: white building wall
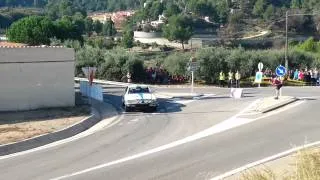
x: 32, y: 78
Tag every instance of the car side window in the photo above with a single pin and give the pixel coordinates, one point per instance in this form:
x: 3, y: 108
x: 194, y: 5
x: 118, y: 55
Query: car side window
x: 125, y: 91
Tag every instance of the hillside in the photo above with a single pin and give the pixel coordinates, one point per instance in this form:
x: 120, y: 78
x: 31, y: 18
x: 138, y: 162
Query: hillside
x: 228, y: 18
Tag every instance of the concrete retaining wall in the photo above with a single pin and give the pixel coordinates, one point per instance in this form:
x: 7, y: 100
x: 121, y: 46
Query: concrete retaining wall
x: 36, y: 77
x: 141, y: 34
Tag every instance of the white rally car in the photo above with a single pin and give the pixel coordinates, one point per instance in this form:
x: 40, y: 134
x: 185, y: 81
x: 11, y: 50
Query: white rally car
x: 139, y: 97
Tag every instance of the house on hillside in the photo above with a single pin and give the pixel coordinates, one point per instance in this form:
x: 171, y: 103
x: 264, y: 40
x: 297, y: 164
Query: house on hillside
x: 119, y: 18
x: 159, y: 23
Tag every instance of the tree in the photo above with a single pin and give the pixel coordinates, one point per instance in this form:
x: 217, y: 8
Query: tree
x: 108, y: 28
x: 259, y: 7
x: 172, y: 9
x: 79, y: 23
x: 127, y: 38
x: 33, y: 30
x: 234, y: 24
x: 88, y: 26
x: 156, y: 10
x: 66, y: 29
x: 179, y: 29
x: 223, y: 11
x: 97, y: 26
x: 269, y: 12
x: 88, y: 56
x: 296, y: 4
x: 201, y: 7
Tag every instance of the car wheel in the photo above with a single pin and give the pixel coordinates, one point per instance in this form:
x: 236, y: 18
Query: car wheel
x: 153, y: 109
x: 127, y: 109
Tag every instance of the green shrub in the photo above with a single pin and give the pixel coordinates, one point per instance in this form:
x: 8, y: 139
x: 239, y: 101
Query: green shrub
x: 214, y: 60
x: 117, y: 63
x: 176, y: 64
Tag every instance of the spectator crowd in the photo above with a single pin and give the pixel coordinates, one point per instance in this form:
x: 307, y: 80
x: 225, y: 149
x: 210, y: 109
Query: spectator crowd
x: 310, y: 76
x: 162, y: 76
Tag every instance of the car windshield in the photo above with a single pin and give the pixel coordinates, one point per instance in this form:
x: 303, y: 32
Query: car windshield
x: 135, y: 90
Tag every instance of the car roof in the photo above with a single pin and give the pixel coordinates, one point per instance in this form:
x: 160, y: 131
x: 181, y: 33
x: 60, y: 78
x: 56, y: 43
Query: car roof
x: 136, y: 85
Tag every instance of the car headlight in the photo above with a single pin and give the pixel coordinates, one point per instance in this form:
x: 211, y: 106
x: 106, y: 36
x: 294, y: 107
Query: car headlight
x: 152, y: 101
x: 131, y: 102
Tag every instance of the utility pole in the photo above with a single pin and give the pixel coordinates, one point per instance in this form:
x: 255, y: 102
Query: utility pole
x: 286, y: 50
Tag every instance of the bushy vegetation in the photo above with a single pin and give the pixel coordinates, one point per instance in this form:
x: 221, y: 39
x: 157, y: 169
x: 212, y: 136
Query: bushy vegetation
x: 115, y: 63
x: 36, y: 30
x: 213, y: 60
x: 111, y: 64
x: 176, y: 63
x: 8, y: 16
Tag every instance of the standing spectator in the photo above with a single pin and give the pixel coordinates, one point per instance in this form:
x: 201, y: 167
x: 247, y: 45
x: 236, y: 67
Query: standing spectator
x: 149, y: 74
x: 278, y: 85
x: 296, y: 75
x: 312, y: 80
x: 300, y: 76
x: 307, y: 77
x: 129, y: 77
x: 154, y: 76
x: 315, y: 76
x: 221, y: 79
x: 238, y: 77
x: 230, y: 78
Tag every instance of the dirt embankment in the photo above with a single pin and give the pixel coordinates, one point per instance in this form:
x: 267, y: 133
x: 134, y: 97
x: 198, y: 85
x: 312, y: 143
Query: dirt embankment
x: 18, y: 126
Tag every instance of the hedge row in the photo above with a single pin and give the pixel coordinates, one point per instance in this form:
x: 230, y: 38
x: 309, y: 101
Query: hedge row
x: 114, y: 64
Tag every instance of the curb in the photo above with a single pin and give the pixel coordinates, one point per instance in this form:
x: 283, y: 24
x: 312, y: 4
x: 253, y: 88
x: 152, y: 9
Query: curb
x: 42, y: 140
x: 277, y: 106
x: 187, y: 97
x: 191, y: 96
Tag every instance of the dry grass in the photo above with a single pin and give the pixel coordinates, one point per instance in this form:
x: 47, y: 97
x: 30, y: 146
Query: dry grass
x: 18, y: 126
x: 307, y: 167
x: 264, y: 174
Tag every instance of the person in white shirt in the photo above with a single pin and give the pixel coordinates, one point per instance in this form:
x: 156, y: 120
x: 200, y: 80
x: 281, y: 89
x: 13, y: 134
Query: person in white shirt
x: 316, y: 76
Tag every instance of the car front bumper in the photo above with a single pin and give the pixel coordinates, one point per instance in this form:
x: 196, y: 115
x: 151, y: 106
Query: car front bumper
x: 142, y: 105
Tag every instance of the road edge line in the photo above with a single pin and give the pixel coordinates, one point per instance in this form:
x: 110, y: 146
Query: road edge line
x: 265, y: 160
x: 86, y: 126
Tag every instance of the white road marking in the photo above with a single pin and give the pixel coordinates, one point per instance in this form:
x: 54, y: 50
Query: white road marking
x: 133, y: 121
x: 309, y: 97
x: 184, y: 102
x: 250, y: 113
x: 210, y: 131
x: 104, y: 124
x: 224, y: 126
x: 265, y: 160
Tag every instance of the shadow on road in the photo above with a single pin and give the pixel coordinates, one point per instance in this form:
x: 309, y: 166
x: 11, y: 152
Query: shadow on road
x: 165, y: 105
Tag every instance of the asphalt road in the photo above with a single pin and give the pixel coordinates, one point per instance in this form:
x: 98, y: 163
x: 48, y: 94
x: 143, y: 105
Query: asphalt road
x: 207, y: 157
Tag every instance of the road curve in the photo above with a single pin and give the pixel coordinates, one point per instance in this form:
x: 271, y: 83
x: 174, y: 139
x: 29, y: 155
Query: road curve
x: 202, y: 159
x: 136, y: 132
